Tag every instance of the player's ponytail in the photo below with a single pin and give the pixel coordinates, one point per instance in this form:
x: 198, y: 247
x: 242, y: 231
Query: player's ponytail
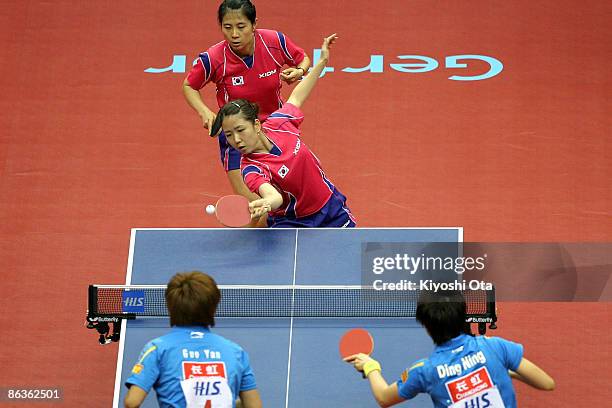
x: 249, y: 111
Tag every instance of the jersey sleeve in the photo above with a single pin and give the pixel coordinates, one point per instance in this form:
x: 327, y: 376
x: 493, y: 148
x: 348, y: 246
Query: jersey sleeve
x: 412, y: 381
x: 254, y: 176
x: 247, y: 382
x: 292, y: 54
x: 146, y: 371
x: 288, y: 116
x: 511, y: 353
x: 201, y: 72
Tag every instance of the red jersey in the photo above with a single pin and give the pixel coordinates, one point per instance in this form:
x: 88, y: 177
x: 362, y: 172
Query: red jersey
x: 290, y: 167
x: 256, y: 78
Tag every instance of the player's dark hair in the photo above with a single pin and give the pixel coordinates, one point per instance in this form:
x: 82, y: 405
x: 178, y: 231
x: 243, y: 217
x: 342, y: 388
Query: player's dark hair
x: 192, y: 299
x: 247, y: 8
x: 249, y: 111
x: 443, y: 314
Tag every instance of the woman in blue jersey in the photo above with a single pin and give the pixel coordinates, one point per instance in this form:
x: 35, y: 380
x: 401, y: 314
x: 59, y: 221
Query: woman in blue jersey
x: 463, y: 370
x: 177, y: 367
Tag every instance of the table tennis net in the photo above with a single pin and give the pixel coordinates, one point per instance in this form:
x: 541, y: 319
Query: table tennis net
x: 271, y: 301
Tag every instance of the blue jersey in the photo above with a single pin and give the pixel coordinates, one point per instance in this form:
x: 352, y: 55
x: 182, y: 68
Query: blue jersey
x: 466, y: 372
x: 192, y: 357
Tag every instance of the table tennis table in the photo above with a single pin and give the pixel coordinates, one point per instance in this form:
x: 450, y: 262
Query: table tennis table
x: 295, y: 360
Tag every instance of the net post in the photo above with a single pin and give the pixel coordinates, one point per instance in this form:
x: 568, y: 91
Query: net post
x: 92, y: 301
x: 491, y: 308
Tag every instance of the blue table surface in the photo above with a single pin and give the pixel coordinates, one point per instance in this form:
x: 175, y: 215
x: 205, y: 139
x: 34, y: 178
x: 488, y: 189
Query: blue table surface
x: 317, y: 375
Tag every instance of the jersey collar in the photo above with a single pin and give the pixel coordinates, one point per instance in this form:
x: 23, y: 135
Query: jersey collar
x: 453, y: 343
x: 191, y: 328
x: 274, y: 151
x: 238, y: 57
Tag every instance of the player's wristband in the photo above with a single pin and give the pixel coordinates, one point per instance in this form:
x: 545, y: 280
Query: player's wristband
x: 371, y: 365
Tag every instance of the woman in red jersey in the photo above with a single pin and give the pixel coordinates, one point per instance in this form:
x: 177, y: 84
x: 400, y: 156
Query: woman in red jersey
x: 250, y: 63
x: 278, y: 166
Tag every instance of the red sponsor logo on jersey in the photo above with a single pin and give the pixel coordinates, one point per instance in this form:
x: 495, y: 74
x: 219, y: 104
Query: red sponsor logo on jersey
x: 203, y: 369
x: 469, y: 384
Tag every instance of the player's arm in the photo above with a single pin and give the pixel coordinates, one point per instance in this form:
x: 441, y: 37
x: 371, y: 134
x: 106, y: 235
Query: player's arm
x: 250, y: 399
x: 135, y: 397
x: 302, y: 90
x: 238, y: 186
x: 194, y: 99
x: 270, y: 200
x: 532, y: 375
x: 386, y: 395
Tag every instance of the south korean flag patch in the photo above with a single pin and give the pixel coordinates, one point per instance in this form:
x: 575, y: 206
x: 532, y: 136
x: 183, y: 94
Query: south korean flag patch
x: 283, y: 171
x: 237, y: 80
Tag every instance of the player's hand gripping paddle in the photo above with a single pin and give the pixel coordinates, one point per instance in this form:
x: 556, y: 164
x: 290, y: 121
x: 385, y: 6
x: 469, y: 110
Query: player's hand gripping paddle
x: 233, y: 211
x: 356, y: 341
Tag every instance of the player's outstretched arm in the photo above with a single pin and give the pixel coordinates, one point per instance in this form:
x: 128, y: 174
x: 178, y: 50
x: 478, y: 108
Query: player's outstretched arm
x: 270, y: 200
x: 250, y: 399
x: 302, y: 90
x: 386, y: 395
x: 533, y: 375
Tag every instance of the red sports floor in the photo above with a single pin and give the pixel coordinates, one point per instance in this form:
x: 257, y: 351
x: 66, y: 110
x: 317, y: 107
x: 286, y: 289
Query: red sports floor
x: 91, y: 146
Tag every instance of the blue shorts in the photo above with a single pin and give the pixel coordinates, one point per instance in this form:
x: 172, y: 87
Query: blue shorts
x: 334, y: 213
x: 230, y: 157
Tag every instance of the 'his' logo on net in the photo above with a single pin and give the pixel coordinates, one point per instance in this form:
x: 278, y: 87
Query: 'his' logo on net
x: 133, y: 301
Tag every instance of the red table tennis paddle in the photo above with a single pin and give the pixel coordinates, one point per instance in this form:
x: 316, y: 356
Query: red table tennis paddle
x: 233, y: 211
x: 356, y: 341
